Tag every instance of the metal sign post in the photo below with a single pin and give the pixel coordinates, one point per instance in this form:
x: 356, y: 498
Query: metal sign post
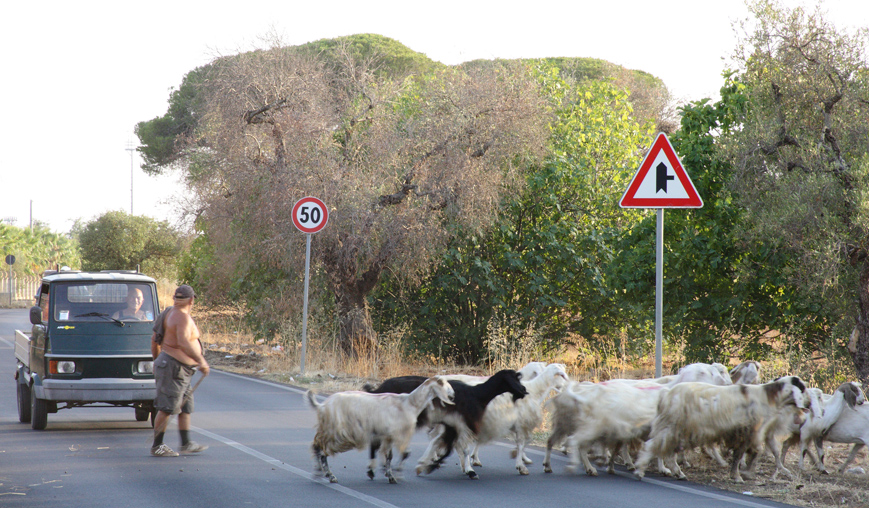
x: 10, y: 260
x: 668, y: 186
x: 659, y: 292
x: 309, y: 216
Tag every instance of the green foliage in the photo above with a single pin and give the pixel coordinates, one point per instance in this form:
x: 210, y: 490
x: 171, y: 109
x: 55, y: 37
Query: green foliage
x: 542, y: 264
x: 38, y: 249
x: 723, y: 293
x: 162, y: 138
x: 393, y: 58
x: 119, y: 241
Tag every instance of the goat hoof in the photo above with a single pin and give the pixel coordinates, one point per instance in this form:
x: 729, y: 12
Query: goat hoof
x: 523, y: 471
x: 392, y: 479
x: 547, y: 468
x: 591, y: 472
x: 332, y: 479
x: 473, y: 475
x: 477, y: 463
x: 370, y: 474
x: 639, y: 475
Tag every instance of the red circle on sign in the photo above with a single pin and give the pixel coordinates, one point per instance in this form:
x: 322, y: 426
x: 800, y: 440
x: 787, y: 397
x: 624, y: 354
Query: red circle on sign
x: 310, y: 215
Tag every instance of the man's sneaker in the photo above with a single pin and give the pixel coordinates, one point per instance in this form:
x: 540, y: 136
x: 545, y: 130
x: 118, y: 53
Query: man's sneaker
x: 193, y: 447
x: 163, y: 451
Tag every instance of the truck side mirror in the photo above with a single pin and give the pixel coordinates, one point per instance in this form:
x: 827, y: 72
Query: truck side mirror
x: 36, y: 315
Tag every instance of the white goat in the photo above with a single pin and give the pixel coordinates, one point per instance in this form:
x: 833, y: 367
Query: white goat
x: 852, y: 426
x: 714, y: 374
x: 824, y: 411
x: 348, y: 420
x: 746, y: 416
x: 746, y: 373
x: 612, y: 414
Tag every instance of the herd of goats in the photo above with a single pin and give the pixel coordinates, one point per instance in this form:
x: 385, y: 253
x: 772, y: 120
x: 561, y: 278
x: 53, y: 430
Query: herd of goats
x: 702, y: 406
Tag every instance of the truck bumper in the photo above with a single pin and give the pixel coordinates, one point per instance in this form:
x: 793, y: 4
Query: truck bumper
x: 96, y: 390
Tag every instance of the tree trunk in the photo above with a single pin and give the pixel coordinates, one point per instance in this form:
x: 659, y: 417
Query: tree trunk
x: 859, y: 345
x: 356, y: 335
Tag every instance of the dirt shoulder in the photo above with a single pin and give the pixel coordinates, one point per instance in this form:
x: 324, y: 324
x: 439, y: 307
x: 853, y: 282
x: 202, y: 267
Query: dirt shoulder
x: 808, y: 489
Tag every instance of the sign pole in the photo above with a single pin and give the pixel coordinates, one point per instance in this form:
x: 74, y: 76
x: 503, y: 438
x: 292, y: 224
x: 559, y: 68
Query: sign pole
x: 309, y: 215
x: 305, y: 305
x: 659, y: 291
x: 660, y: 182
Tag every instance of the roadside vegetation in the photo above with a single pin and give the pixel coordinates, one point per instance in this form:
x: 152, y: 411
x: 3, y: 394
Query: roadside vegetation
x: 474, y: 220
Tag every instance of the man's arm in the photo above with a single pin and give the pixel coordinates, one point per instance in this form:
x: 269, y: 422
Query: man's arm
x: 155, y: 348
x: 188, y: 341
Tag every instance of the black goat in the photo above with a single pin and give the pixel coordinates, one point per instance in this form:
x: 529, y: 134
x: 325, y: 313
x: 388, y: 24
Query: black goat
x: 400, y: 384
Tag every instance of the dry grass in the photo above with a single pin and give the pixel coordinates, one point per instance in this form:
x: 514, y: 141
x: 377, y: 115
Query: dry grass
x: 229, y: 347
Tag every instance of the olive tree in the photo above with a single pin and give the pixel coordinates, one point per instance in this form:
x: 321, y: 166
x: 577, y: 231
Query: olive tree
x: 800, y: 158
x: 397, y: 158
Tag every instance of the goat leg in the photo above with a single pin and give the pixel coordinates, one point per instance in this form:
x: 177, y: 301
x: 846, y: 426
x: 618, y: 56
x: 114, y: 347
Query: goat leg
x: 323, y: 462
x: 372, y: 457
x: 854, y: 450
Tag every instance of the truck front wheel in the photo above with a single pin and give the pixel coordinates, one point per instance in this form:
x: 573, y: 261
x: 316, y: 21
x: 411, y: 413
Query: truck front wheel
x: 38, y: 410
x: 23, y: 402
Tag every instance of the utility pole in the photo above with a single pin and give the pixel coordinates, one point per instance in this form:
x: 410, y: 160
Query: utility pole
x: 131, y: 149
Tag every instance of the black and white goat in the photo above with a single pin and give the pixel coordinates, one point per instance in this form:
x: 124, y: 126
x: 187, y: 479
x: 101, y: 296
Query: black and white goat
x: 461, y: 422
x: 360, y: 420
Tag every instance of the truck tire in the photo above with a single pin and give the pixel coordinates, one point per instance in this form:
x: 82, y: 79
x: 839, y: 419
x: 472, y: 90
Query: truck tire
x: 142, y: 414
x: 38, y: 412
x: 23, y: 402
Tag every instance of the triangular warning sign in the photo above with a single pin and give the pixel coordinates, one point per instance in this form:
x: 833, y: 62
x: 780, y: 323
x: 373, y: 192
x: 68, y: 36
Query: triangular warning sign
x: 661, y: 181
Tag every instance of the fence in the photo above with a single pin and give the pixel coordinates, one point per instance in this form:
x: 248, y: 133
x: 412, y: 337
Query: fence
x: 19, y: 292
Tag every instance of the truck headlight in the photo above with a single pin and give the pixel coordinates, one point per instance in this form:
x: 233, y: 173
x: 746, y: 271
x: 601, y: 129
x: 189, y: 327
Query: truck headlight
x: 61, y: 367
x: 145, y: 367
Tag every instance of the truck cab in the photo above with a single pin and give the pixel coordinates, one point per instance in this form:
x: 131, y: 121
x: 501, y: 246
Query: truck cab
x: 89, y: 345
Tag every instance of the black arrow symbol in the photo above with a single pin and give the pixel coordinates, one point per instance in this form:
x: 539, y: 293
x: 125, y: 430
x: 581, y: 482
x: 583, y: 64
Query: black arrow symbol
x: 662, y: 177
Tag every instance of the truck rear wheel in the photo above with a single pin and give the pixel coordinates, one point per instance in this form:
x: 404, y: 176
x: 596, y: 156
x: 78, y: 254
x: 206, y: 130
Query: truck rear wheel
x: 23, y: 402
x: 39, y: 411
x: 142, y: 414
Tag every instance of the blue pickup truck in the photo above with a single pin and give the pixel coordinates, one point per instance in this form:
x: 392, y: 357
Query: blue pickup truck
x: 90, y: 345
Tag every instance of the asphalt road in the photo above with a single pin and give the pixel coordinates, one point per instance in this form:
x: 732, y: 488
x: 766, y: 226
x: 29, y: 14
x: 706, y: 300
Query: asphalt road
x: 259, y: 435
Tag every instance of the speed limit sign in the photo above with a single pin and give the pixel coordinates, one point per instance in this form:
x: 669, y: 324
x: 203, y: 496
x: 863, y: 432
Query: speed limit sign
x: 310, y: 215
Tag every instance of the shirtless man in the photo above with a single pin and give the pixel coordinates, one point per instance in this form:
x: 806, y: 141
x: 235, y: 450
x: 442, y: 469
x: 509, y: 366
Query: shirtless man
x: 177, y: 353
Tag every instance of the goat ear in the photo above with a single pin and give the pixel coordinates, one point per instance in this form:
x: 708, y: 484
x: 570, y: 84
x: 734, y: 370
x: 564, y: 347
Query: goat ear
x: 851, y: 396
x: 798, y: 396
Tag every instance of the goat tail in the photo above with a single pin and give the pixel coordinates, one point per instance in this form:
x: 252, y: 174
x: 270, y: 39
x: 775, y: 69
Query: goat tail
x: 367, y: 387
x: 311, y: 399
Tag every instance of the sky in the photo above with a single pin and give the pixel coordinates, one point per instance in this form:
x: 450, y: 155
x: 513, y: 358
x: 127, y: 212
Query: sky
x: 78, y: 76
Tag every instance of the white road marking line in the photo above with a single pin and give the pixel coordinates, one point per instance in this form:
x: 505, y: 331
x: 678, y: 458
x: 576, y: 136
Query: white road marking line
x: 294, y: 470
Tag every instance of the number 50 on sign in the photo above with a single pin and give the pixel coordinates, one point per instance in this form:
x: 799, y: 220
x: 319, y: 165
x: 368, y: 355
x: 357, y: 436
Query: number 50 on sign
x: 310, y: 215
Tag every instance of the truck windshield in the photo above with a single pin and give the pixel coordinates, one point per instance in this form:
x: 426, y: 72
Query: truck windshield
x: 104, y: 301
